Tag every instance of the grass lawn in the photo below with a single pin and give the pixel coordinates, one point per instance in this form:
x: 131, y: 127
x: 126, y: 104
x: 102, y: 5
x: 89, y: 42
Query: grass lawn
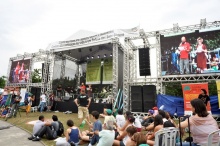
x: 23, y: 120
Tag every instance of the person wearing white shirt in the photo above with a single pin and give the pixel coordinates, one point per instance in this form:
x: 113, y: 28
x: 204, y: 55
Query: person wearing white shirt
x: 120, y: 119
x: 42, y: 102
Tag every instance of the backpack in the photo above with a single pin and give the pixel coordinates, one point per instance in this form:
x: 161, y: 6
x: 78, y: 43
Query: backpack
x: 60, y: 129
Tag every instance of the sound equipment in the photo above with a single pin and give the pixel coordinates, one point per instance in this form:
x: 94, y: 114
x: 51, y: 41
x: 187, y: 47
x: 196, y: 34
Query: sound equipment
x: 144, y: 62
x: 36, y: 91
x: 149, y: 97
x: 136, y: 99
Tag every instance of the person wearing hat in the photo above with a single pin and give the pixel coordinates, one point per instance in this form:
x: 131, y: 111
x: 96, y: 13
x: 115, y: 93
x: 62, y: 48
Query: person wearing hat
x: 109, y: 116
x: 148, y: 119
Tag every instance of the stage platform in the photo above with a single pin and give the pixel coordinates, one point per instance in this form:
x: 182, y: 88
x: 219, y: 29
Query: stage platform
x: 63, y: 106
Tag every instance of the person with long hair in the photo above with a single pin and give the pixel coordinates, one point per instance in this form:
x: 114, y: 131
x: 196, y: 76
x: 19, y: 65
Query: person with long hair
x: 201, y: 123
x: 204, y: 97
x: 201, y: 51
x: 137, y: 139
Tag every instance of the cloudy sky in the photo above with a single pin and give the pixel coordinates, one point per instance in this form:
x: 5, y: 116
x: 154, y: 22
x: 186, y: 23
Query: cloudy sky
x: 30, y: 25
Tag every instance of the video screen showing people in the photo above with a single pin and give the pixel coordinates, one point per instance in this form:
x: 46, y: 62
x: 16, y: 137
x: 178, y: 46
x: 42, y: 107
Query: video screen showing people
x: 191, y: 53
x: 19, y: 72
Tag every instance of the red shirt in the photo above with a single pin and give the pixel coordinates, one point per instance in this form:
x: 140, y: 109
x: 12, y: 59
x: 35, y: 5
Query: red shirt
x: 83, y: 87
x: 184, y: 54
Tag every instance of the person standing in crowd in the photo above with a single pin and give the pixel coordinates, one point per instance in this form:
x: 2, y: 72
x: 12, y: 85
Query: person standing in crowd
x: 201, y: 51
x: 37, y: 126
x: 15, y: 105
x: 72, y: 135
x: 82, y: 87
x: 83, y: 103
x: 50, y: 101
x: 59, y: 91
x: 28, y: 106
x: 42, y: 102
x: 184, y: 48
x: 201, y: 124
x: 89, y: 91
x: 204, y: 97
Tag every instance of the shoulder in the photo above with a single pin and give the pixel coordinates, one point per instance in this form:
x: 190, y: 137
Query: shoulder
x: 203, y: 46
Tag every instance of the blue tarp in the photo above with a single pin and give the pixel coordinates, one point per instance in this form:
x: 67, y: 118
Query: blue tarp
x: 173, y: 104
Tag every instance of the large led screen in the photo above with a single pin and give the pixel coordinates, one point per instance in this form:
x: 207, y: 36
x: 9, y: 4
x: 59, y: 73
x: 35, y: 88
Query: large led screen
x: 192, y: 53
x: 19, y: 72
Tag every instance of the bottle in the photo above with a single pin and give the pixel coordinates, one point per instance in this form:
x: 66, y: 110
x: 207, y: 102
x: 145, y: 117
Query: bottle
x: 82, y: 124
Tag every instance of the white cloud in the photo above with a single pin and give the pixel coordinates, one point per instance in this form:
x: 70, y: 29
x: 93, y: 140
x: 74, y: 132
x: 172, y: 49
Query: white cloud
x: 27, y: 26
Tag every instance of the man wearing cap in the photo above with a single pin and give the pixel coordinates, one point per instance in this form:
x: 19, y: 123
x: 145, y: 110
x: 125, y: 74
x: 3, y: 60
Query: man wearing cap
x: 83, y: 103
x: 109, y: 116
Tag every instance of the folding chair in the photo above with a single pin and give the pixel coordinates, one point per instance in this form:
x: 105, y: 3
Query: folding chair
x: 210, y: 138
x: 160, y: 138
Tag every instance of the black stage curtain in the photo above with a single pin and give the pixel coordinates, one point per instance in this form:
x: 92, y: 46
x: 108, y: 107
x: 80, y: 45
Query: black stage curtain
x: 63, y: 106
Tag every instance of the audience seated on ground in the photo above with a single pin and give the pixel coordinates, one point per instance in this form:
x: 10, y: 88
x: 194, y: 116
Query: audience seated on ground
x: 147, y: 120
x: 37, y: 126
x: 201, y: 124
x: 170, y: 120
x: 130, y: 132
x: 4, y: 112
x: 93, y: 136
x: 72, y: 135
x: 109, y: 116
x: 49, y: 129
x: 137, y: 124
x: 158, y: 124
x: 120, y: 119
x: 104, y: 112
x: 107, y: 135
x: 122, y: 137
x: 137, y: 139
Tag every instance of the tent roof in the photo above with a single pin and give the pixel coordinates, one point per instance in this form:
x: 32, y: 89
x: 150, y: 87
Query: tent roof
x: 81, y: 34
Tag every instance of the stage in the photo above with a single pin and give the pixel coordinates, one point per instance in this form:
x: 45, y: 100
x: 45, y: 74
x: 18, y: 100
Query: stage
x: 63, y: 106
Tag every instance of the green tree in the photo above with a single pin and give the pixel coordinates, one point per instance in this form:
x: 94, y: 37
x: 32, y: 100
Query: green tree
x: 36, y: 78
x: 2, y: 81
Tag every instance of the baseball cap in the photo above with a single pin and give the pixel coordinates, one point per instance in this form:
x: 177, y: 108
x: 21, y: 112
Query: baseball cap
x: 109, y: 111
x: 151, y: 111
x: 155, y: 108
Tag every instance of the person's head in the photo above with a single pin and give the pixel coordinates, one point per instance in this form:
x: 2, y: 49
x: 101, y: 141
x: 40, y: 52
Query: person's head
x: 82, y: 84
x: 83, y: 91
x: 158, y: 120
x: 168, y: 124
x: 95, y: 115
x: 127, y: 113
x: 109, y: 112
x: 131, y: 130
x: 109, y: 125
x: 70, y: 123
x: 120, y: 112
x: 131, y: 119
x: 199, y: 108
x: 150, y: 112
x: 183, y: 39
x: 203, y: 91
x: 199, y: 40
x: 139, y: 138
x: 55, y: 118
x: 162, y: 113
x: 41, y: 118
x: 168, y: 116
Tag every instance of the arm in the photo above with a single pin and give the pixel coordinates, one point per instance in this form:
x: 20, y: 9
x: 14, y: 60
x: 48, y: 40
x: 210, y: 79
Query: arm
x: 188, y: 47
x: 67, y: 134
x: 184, y: 124
x: 157, y: 128
x: 124, y: 127
x: 120, y: 137
x: 76, y: 102
x: 89, y: 100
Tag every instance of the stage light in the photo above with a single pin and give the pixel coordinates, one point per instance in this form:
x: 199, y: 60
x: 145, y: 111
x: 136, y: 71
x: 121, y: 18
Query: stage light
x: 111, y: 55
x: 104, y: 55
x: 87, y: 57
x: 92, y: 57
x: 98, y: 56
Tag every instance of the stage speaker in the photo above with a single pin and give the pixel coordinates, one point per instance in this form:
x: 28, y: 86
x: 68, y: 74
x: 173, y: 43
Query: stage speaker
x: 144, y: 61
x: 36, y: 91
x: 136, y: 99
x: 149, y: 96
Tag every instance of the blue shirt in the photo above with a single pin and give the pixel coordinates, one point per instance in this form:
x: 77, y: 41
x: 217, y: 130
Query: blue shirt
x: 97, y: 126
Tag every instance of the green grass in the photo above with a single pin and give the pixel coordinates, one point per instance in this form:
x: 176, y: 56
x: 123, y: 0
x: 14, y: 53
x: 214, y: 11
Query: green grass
x: 23, y: 120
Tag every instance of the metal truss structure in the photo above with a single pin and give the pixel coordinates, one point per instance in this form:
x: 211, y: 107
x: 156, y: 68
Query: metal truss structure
x: 45, y: 56
x: 160, y: 80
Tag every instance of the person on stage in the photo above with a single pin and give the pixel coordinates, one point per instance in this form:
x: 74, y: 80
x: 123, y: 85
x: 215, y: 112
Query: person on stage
x: 83, y: 103
x: 184, y: 49
x: 204, y: 97
x: 17, y: 69
x: 201, y: 51
x: 21, y: 73
x: 89, y: 91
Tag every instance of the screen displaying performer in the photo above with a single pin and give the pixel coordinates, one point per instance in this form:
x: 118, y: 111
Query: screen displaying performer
x: 19, y: 72
x: 197, y: 52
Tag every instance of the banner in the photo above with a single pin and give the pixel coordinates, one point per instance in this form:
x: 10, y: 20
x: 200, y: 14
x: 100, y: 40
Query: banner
x: 218, y: 89
x: 107, y: 71
x: 192, y: 91
x: 93, y: 71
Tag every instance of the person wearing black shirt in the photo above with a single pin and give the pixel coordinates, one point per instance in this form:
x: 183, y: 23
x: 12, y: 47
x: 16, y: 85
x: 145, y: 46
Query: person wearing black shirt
x: 15, y: 105
x: 83, y: 103
x: 59, y: 91
x: 204, y: 97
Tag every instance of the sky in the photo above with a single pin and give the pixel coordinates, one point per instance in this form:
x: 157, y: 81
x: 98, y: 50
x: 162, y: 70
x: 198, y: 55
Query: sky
x: 30, y: 25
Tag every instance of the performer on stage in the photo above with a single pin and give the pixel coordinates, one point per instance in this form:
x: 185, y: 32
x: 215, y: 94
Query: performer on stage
x: 184, y: 48
x: 201, y: 51
x: 21, y: 73
x: 204, y: 97
x: 17, y: 72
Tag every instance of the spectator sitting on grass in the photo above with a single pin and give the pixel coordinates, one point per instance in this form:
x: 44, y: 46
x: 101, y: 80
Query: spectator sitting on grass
x: 37, y: 126
x: 72, y: 135
x: 93, y: 136
x: 4, y: 112
x: 120, y: 119
x: 109, y: 116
